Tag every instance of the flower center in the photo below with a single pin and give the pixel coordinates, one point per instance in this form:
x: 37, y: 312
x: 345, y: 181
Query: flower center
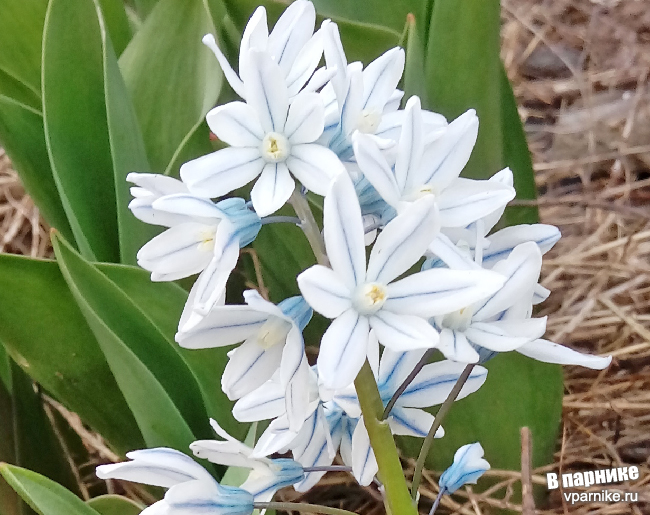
x: 369, y: 298
x: 458, y: 320
x: 368, y: 121
x: 206, y: 244
x: 275, y: 147
x: 272, y: 332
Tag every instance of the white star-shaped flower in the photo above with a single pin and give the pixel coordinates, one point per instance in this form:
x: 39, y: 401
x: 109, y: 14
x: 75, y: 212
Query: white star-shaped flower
x: 359, y: 297
x: 267, y: 137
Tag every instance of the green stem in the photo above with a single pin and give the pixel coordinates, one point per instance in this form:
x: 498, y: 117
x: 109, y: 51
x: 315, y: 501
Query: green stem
x: 309, y: 226
x: 301, y: 506
x: 426, y: 445
x: 398, y: 501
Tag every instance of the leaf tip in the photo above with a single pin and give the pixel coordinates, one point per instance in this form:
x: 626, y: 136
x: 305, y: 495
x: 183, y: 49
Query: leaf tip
x: 410, y: 19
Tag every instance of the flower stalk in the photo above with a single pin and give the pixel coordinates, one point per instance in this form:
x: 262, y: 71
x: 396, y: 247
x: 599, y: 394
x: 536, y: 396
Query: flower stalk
x: 381, y: 438
x: 309, y: 226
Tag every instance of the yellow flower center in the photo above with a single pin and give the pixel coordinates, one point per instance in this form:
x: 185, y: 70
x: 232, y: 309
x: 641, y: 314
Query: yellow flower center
x: 275, y: 147
x: 369, y: 298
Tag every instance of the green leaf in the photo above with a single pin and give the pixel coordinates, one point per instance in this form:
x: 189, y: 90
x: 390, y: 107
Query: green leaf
x: 21, y: 29
x: 163, y: 303
x: 76, y: 129
x: 158, y: 386
x: 463, y: 71
x: 117, y: 24
x: 37, y: 446
x: 114, y: 505
x: 173, y: 79
x: 19, y: 92
x: 43, y: 494
x: 377, y: 12
x: 517, y: 156
x: 41, y: 313
x: 9, y: 501
x: 518, y: 392
x: 414, y: 79
x: 144, y: 7
x: 5, y: 369
x: 127, y: 152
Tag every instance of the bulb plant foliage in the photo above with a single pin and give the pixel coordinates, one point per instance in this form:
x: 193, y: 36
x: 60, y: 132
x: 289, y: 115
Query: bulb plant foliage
x: 407, y: 263
x: 417, y: 284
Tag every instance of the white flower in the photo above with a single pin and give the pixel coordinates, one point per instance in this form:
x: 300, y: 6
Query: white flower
x: 272, y: 337
x: 148, y: 188
x: 468, y: 466
x: 205, y: 237
x: 359, y: 298
x: 266, y: 477
x: 292, y: 45
x: 364, y: 100
x: 267, y: 137
x: 432, y: 168
x: 192, y: 490
x: 502, y: 322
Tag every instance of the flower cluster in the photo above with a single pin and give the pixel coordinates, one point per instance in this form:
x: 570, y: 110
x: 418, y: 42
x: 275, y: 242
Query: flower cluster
x: 390, y: 178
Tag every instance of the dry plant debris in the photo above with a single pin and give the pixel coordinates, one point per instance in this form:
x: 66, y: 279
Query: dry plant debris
x: 580, y: 70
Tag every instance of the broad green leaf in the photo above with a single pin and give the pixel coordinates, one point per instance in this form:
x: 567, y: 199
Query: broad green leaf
x: 144, y: 7
x: 414, y: 79
x: 39, y: 312
x: 517, y: 156
x: 163, y: 303
x: 21, y: 135
x: 196, y: 143
x: 37, y: 446
x: 5, y: 369
x: 43, y: 494
x: 9, y: 501
x: 76, y: 129
x: 21, y: 29
x: 463, y: 71
x: 377, y: 12
x: 114, y: 505
x: 117, y: 24
x: 19, y: 92
x: 518, y: 392
x: 127, y: 152
x: 173, y: 79
x: 156, y: 383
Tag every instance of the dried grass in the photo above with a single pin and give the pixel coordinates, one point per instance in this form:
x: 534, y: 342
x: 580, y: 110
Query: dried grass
x: 579, y: 68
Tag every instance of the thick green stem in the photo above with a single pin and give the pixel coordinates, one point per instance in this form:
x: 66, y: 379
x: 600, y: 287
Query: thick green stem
x: 426, y: 445
x: 398, y: 501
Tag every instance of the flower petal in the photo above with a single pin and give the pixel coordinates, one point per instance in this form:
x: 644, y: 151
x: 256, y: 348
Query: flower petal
x: 264, y: 403
x: 343, y: 350
x: 467, y: 200
x: 434, y: 383
x: 249, y: 367
x: 380, y: 79
x: 455, y: 346
x: 157, y: 467
x: 403, y: 332
x: 211, y: 284
x: 549, y: 352
x: 291, y: 33
x: 255, y: 36
x: 314, y: 449
x: 375, y: 168
x: 197, y: 497
x: 502, y: 242
x: 266, y: 91
x: 305, y: 64
x: 324, y: 291
x: 236, y: 123
x: 306, y: 119
x: 440, y: 291
x: 294, y: 375
x: 180, y: 250
x: 343, y: 232
x: 412, y: 422
x: 335, y: 57
x: 233, y: 79
x: 224, y: 453
x: 364, y: 463
x: 447, y: 155
x: 403, y: 241
x: 216, y: 174
x: 188, y: 205
x: 411, y: 144
x: 521, y: 271
x: 505, y: 335
x: 451, y: 254
x: 223, y: 326
x: 395, y: 367
x: 272, y: 189
x: 314, y: 166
